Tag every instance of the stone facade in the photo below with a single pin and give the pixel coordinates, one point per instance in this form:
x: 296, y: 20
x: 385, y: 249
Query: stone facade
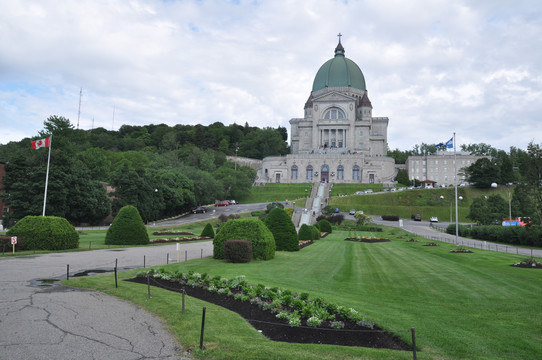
x: 338, y: 139
x: 440, y: 167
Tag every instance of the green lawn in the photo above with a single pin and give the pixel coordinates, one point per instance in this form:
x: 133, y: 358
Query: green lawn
x: 463, y: 306
x: 427, y: 202
x: 278, y: 192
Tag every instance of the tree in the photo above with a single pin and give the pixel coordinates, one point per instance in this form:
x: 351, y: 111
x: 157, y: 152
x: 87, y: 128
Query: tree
x: 283, y: 230
x: 362, y: 218
x: 487, y: 210
x: 480, y: 149
x: 531, y: 171
x: 483, y: 173
x: 402, y: 177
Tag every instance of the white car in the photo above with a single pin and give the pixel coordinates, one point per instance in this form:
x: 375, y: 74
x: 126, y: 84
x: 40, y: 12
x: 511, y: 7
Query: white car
x: 433, y: 219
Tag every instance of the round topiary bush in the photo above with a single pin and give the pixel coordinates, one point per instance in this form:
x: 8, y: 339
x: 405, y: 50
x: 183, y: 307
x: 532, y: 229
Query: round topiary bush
x: 253, y: 230
x: 324, y: 226
x: 272, y: 206
x: 127, y: 228
x: 283, y: 230
x: 208, y: 231
x: 44, y: 233
x: 308, y: 232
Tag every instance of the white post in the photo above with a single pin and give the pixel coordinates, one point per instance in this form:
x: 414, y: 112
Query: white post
x: 47, y: 176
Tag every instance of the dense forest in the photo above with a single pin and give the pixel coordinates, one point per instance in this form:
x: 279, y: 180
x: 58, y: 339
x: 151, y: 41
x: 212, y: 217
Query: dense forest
x: 162, y: 170
x: 167, y: 170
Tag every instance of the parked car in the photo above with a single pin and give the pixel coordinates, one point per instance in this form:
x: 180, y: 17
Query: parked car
x: 222, y: 203
x: 433, y: 219
x: 352, y: 212
x: 417, y: 217
x: 200, y: 209
x: 232, y: 202
x: 368, y: 191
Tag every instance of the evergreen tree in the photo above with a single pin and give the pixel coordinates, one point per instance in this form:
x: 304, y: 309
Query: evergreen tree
x: 283, y: 230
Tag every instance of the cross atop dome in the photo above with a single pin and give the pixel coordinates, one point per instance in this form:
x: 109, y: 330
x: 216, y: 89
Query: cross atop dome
x: 339, y: 50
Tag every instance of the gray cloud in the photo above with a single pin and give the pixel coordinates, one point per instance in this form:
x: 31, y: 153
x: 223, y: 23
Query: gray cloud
x: 433, y: 67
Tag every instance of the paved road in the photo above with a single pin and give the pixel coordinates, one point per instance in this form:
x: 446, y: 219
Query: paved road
x: 424, y: 228
x: 61, y: 323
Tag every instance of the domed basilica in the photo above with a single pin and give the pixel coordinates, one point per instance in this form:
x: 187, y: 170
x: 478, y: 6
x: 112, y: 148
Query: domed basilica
x: 338, y: 140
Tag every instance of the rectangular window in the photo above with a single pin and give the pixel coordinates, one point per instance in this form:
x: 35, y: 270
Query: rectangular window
x: 361, y: 133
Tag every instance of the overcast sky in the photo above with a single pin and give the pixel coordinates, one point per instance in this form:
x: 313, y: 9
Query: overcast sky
x: 433, y: 67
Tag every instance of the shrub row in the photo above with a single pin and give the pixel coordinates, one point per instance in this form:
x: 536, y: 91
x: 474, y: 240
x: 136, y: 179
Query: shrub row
x: 335, y: 219
x: 516, y: 235
x: 390, y: 217
x: 308, y: 232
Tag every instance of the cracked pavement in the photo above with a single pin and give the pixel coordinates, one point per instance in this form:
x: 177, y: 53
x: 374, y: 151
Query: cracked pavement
x: 56, y: 322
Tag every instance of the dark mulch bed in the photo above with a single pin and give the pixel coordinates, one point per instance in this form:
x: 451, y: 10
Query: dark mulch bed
x: 525, y: 266
x: 430, y: 244
x: 378, y: 240
x: 461, y: 251
x: 272, y: 328
x: 305, y: 243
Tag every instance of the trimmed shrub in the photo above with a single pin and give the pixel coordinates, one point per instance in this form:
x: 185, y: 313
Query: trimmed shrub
x: 208, y: 231
x: 127, y: 228
x: 324, y: 226
x: 258, y: 213
x: 238, y: 251
x: 336, y: 219
x: 44, y: 233
x: 272, y: 206
x: 253, y: 230
x: 283, y: 230
x: 307, y: 232
x: 316, y: 233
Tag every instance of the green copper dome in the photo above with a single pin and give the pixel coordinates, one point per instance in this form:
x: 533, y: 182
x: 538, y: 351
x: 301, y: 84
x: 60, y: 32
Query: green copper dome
x: 339, y: 72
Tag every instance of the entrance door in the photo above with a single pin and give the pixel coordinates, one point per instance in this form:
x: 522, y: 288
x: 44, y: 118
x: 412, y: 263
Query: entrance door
x: 325, y: 173
x: 277, y: 178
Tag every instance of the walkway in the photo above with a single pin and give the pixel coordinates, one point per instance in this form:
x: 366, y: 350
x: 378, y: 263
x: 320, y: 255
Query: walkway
x: 39, y: 323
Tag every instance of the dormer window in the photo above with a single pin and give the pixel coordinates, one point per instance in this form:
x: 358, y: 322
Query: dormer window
x: 334, y: 114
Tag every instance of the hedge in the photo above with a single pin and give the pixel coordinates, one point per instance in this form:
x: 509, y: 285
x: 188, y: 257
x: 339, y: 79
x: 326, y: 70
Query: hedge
x: 250, y: 229
x: 515, y: 235
x: 324, y: 226
x: 308, y: 232
x: 44, y: 233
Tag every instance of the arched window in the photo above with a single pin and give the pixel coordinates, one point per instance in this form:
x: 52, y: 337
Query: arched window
x: 355, y: 173
x: 334, y: 114
x: 309, y: 172
x: 294, y: 172
x: 340, y: 172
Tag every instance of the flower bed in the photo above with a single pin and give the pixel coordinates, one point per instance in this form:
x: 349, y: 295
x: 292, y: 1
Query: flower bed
x: 431, y: 244
x: 279, y: 314
x: 529, y: 263
x: 169, y: 232
x: 461, y: 249
x: 367, y: 239
x: 174, y: 240
x: 305, y: 243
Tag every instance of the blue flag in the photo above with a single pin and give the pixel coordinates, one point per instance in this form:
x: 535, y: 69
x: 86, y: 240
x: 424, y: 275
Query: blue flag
x: 450, y: 143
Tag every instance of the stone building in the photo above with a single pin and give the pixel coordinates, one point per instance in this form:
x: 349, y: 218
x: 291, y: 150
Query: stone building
x: 338, y: 139
x: 439, y: 167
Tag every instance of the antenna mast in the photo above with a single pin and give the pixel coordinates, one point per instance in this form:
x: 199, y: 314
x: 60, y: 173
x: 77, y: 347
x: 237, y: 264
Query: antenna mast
x: 79, y: 112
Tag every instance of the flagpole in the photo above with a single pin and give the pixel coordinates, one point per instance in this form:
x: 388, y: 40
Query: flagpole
x: 47, y: 176
x: 455, y: 188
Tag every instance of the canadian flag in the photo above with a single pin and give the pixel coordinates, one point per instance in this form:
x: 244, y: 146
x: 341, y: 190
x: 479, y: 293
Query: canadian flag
x: 37, y: 144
